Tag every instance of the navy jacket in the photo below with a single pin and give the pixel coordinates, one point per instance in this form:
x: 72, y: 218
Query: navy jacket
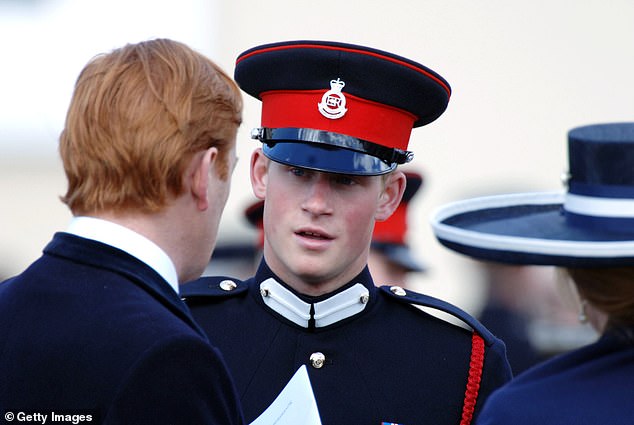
x: 588, y: 386
x: 389, y: 362
x: 89, y: 329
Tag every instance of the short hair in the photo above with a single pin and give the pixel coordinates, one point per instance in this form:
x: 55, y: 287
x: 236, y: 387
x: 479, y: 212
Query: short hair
x: 137, y: 116
x: 610, y: 290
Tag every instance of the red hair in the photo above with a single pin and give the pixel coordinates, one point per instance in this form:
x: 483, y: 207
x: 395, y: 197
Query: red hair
x: 136, y: 118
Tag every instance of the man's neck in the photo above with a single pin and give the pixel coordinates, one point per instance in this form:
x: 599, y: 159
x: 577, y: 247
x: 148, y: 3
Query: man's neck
x: 123, y: 237
x: 310, y: 285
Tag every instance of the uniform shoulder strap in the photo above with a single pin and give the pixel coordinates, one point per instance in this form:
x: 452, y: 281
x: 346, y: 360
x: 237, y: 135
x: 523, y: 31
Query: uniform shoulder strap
x: 480, y: 337
x: 411, y: 297
x: 213, y: 286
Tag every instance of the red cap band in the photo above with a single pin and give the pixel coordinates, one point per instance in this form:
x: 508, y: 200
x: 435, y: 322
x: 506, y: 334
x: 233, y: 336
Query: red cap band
x: 366, y: 120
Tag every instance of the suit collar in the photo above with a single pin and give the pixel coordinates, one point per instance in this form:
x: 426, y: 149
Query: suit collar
x: 106, y: 257
x: 126, y: 240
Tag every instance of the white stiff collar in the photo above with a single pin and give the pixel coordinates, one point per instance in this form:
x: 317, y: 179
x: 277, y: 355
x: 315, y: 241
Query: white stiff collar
x: 126, y: 240
x: 338, y: 307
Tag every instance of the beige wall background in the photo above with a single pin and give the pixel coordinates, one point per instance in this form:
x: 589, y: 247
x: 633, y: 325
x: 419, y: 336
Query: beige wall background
x: 522, y: 74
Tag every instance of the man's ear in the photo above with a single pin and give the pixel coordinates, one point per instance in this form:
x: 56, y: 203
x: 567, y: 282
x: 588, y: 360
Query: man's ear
x: 202, y: 165
x: 390, y: 198
x: 259, y: 173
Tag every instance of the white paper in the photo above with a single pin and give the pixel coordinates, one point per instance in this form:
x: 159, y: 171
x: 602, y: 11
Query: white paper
x: 295, y: 405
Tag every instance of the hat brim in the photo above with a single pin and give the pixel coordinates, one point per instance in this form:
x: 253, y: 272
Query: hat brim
x: 326, y: 158
x: 528, y: 229
x: 399, y: 254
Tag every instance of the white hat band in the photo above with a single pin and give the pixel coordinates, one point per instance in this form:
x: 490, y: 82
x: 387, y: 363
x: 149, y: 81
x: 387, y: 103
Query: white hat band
x: 599, y: 207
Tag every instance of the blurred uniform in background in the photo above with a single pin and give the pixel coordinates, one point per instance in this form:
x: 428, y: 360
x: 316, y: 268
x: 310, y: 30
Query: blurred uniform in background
x: 254, y: 215
x: 391, y: 258
x: 511, y: 289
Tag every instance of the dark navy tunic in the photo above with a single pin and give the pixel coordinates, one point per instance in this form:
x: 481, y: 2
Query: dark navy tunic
x: 591, y: 385
x: 388, y: 362
x: 89, y: 329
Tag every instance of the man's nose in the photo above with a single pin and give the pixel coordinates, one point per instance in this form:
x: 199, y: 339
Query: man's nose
x: 318, y: 199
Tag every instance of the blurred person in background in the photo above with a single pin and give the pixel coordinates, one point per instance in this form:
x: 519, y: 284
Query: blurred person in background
x: 529, y: 309
x: 96, y: 325
x: 254, y: 214
x: 391, y: 258
x: 336, y: 124
x: 507, y: 311
x: 588, y: 232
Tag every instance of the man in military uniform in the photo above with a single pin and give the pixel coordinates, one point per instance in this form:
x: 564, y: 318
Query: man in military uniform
x: 336, y: 120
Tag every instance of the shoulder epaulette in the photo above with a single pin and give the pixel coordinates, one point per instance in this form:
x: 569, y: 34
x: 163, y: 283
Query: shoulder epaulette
x: 212, y: 286
x: 411, y: 297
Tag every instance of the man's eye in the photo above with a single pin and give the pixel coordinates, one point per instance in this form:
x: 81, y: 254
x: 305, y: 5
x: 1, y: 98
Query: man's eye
x: 344, y: 180
x: 298, y: 172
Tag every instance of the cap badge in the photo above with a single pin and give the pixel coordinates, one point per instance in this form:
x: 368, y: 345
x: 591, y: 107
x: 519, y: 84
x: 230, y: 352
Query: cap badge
x: 333, y: 102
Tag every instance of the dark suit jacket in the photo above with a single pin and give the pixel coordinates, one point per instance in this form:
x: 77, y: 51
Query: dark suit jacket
x: 89, y: 329
x: 587, y: 386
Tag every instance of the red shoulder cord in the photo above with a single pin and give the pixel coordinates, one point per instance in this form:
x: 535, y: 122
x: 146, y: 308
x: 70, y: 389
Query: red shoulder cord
x: 475, y: 375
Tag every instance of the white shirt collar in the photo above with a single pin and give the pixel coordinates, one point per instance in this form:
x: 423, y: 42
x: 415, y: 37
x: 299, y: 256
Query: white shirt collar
x: 338, y: 307
x: 126, y: 240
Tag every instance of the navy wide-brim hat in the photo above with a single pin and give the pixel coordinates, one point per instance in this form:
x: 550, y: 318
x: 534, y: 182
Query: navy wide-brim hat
x: 589, y: 225
x: 339, y: 107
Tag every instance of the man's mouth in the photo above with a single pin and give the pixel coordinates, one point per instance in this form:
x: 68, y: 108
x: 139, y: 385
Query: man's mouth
x: 313, y: 235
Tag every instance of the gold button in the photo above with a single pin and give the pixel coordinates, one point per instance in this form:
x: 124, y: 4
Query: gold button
x: 317, y: 360
x: 397, y: 290
x: 228, y: 285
